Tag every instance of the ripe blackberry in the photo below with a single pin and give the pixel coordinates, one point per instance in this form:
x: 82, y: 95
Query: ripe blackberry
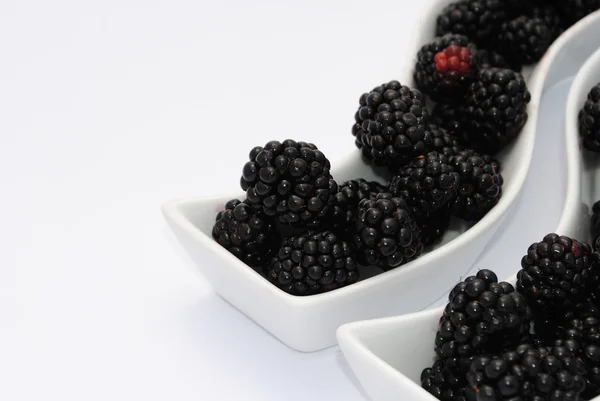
x: 444, y: 381
x: 391, y: 125
x: 524, y: 40
x: 344, y: 209
x: 585, y: 333
x: 574, y: 10
x: 555, y: 274
x: 480, y: 185
x: 589, y: 120
x: 446, y: 66
x: 549, y: 14
x: 290, y: 180
x: 481, y: 317
x: 450, y: 118
x: 387, y: 236
x: 427, y: 184
x: 312, y: 264
x: 495, y: 110
x: 442, y: 142
x: 476, y: 19
x: 245, y: 232
x: 435, y: 225
x: 526, y: 373
x: 491, y: 59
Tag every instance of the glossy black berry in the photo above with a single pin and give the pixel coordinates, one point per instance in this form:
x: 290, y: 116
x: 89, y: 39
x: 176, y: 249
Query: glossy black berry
x: 391, y: 125
x: 290, y: 180
x: 446, y: 67
x: 589, y: 120
x: 524, y: 40
x: 344, y: 209
x: 526, y: 373
x: 495, y: 110
x: 428, y: 183
x: 312, y: 264
x: 479, y: 20
x: 443, y: 142
x: 245, y: 232
x: 387, y: 236
x: 482, y: 317
x: 480, y: 185
x: 555, y: 274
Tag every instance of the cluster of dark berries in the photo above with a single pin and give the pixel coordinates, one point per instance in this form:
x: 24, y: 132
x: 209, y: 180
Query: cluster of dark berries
x: 472, y: 69
x: 538, y: 340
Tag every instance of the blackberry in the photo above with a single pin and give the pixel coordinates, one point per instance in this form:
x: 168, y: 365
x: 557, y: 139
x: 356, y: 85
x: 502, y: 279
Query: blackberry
x: 481, y: 317
x: 427, y: 183
x: 446, y: 66
x: 574, y: 10
x: 526, y: 373
x: 595, y: 223
x: 312, y: 264
x: 491, y: 58
x: 290, y: 180
x: 549, y: 14
x: 480, y: 185
x: 478, y: 20
x: 555, y: 274
x: 524, y: 40
x: 391, y: 125
x: 435, y: 225
x: 345, y: 205
x: 589, y: 120
x: 449, y: 118
x: 585, y: 333
x: 442, y: 381
x: 245, y: 232
x: 387, y: 236
x: 495, y: 110
x: 442, y: 142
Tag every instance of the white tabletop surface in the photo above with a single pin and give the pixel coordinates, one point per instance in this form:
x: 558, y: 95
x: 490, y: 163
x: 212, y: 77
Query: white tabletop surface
x: 108, y: 109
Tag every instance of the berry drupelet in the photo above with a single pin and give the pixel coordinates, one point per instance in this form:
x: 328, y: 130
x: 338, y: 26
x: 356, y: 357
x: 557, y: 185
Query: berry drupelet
x: 427, y: 184
x: 344, y: 209
x: 446, y: 66
x: 524, y: 40
x: 312, y: 264
x: 480, y: 185
x: 386, y: 234
x: 589, y: 120
x: 555, y: 275
x: 526, y: 373
x: 478, y: 20
x: 290, y: 180
x: 495, y: 110
x: 491, y: 59
x: 245, y: 232
x: 391, y: 125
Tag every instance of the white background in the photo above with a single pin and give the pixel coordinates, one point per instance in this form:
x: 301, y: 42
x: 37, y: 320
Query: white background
x: 108, y: 109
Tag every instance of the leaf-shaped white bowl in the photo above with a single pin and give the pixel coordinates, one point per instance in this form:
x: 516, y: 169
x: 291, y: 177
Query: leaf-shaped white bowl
x: 387, y: 355
x: 310, y: 323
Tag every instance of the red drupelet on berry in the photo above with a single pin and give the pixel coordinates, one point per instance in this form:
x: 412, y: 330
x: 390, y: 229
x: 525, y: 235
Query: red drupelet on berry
x: 446, y: 66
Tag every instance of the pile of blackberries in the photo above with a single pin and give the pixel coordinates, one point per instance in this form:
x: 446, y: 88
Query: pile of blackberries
x: 308, y: 234
x: 538, y: 340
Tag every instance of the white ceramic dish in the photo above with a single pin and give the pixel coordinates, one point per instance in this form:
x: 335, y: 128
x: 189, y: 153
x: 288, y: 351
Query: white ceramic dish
x: 310, y: 323
x: 387, y: 355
